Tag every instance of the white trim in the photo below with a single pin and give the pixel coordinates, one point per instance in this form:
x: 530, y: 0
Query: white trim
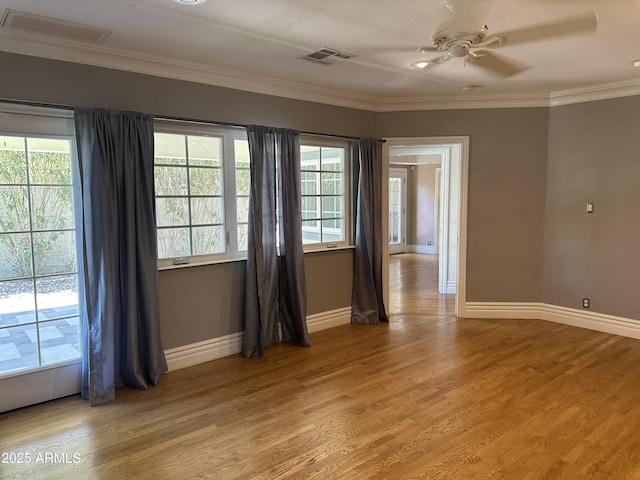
x: 450, y: 287
x: 120, y: 59
x: 444, y: 207
x: 518, y: 310
x: 627, y: 88
x: 35, y: 110
x: 436, y: 209
x: 42, y: 385
x: 600, y: 322
x: 328, y: 319
x: 426, y: 249
x: 327, y: 247
x: 212, y: 349
x: 412, y: 104
x: 205, y: 351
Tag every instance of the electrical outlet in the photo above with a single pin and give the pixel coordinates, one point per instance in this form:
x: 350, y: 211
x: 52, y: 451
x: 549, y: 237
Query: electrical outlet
x: 586, y: 303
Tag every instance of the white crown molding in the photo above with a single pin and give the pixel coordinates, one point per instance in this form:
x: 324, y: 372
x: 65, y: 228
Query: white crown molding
x: 601, y: 322
x: 409, y: 104
x: 120, y: 59
x: 160, y: 66
x: 593, y: 93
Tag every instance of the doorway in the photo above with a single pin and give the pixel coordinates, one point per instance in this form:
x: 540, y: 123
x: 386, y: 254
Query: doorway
x: 451, y: 235
x: 397, y: 210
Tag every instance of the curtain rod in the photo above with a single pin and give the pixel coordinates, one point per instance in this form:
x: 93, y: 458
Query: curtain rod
x: 175, y: 119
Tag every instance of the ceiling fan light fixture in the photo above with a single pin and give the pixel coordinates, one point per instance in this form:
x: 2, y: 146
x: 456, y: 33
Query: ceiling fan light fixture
x: 635, y: 63
x: 421, y: 64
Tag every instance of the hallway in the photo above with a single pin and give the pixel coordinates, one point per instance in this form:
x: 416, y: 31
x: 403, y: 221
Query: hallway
x: 413, y: 286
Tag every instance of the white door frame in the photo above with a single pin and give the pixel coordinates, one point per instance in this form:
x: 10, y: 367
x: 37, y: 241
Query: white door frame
x: 402, y: 246
x: 436, y: 211
x: 461, y: 277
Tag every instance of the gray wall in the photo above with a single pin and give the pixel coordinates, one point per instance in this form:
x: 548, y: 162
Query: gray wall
x: 203, y: 302
x: 200, y: 302
x: 36, y: 79
x: 594, y: 156
x: 329, y: 277
x: 424, y: 202
x: 507, y: 175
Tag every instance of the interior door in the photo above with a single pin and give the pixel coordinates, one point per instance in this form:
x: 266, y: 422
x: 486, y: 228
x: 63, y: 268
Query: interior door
x: 397, y: 210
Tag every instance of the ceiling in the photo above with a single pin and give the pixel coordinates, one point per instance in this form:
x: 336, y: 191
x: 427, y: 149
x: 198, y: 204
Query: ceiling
x: 257, y: 45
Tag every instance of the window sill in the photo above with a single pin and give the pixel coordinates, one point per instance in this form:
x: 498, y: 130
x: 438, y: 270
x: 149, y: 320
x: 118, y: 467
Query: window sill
x: 324, y: 248
x: 202, y: 263
x: 314, y: 249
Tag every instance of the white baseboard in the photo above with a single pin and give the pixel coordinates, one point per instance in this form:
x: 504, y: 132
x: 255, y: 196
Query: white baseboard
x: 329, y: 319
x: 503, y: 310
x: 625, y: 327
x: 450, y: 287
x: 428, y: 249
x: 207, y: 350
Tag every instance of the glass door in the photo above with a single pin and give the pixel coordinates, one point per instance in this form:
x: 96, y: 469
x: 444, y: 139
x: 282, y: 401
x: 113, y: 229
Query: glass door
x: 39, y: 319
x: 397, y: 210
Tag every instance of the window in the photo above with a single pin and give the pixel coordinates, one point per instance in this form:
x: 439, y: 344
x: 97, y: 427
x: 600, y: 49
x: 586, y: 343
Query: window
x: 202, y: 185
x: 202, y: 192
x: 243, y: 187
x: 39, y: 323
x: 323, y: 178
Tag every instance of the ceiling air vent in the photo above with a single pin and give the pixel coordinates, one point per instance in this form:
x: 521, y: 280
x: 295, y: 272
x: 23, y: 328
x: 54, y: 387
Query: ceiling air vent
x: 29, y: 22
x: 327, y: 56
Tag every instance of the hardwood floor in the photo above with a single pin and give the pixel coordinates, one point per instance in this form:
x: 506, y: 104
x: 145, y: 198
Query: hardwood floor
x: 413, y: 286
x: 425, y: 396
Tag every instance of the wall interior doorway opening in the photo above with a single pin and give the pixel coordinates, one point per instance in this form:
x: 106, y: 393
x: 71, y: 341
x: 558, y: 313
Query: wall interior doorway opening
x: 449, y: 241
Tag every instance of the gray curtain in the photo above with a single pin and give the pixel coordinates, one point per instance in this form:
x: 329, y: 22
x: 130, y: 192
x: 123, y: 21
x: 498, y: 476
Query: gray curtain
x: 118, y: 261
x: 275, y: 297
x: 366, y: 302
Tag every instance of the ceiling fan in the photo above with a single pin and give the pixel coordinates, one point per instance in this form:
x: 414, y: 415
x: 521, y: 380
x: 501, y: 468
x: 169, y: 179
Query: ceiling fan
x: 475, y: 44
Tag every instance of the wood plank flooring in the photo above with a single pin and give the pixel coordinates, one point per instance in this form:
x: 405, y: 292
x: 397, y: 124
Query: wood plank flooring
x: 413, y: 286
x: 426, y: 396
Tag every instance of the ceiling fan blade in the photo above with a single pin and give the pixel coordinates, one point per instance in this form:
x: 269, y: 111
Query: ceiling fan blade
x: 585, y: 23
x: 496, y: 64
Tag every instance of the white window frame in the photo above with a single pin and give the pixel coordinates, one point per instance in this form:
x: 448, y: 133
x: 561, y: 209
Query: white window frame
x: 314, y: 141
x: 228, y: 136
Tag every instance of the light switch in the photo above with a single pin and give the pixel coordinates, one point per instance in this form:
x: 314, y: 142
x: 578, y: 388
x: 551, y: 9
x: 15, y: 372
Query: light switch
x: 589, y: 207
